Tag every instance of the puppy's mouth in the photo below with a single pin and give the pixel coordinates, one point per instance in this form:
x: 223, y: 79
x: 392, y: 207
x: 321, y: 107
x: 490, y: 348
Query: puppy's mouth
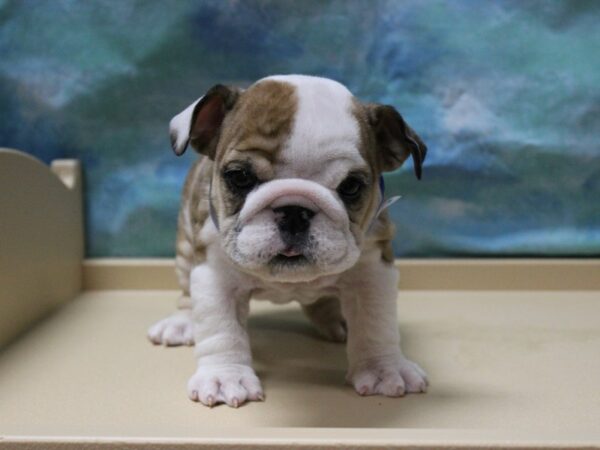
x: 289, y: 257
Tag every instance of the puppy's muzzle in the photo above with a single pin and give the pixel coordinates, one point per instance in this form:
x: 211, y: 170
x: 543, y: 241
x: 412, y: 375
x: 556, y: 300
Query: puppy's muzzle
x: 294, y: 203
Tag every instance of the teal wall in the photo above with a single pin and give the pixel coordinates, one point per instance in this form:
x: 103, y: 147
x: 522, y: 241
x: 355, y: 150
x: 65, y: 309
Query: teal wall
x: 505, y: 93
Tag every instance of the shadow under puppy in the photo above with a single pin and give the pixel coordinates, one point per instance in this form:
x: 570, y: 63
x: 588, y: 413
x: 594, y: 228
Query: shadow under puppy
x: 285, y: 206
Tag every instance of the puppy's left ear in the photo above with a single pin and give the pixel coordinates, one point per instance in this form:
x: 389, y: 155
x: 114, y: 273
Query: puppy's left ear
x: 395, y: 140
x: 200, y: 123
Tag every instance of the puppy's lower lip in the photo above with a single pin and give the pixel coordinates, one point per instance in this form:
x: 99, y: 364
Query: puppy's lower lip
x: 288, y: 261
x: 290, y: 252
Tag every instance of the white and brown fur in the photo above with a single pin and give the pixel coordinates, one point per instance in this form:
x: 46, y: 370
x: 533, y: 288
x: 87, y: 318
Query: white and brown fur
x: 314, y: 131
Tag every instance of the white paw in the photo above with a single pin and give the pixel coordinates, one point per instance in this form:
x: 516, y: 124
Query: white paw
x: 389, y: 378
x: 233, y: 384
x: 177, y: 329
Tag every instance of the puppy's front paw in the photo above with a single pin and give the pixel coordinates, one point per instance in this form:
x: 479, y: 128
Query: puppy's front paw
x: 389, y: 378
x: 233, y: 384
x: 177, y: 329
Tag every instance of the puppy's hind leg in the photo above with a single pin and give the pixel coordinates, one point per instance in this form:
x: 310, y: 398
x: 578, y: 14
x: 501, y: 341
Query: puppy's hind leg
x: 176, y: 329
x: 326, y: 315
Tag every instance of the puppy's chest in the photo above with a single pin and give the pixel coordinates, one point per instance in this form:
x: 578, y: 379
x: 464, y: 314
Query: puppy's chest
x: 303, y: 293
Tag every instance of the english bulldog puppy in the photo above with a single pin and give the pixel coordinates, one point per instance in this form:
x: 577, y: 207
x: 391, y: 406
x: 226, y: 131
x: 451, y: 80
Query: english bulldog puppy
x: 285, y: 205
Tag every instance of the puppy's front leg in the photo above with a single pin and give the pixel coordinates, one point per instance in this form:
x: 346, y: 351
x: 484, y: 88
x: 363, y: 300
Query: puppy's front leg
x: 376, y: 363
x: 222, y: 347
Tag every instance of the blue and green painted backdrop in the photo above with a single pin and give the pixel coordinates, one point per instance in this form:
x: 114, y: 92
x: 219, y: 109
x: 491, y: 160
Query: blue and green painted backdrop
x: 505, y: 93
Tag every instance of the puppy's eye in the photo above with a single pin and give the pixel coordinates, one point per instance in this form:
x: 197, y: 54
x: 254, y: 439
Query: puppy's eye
x: 240, y: 179
x: 351, y: 188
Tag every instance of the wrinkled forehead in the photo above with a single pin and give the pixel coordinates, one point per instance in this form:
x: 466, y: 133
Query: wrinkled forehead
x: 304, y: 126
x: 325, y: 131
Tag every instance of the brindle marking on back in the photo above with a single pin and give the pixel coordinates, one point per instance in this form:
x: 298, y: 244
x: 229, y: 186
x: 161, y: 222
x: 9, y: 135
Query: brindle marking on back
x: 193, y: 212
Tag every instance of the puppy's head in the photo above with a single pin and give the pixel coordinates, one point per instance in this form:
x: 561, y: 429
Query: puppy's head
x: 297, y: 161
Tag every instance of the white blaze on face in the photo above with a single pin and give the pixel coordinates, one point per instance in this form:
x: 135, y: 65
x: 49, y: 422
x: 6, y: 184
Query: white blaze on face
x: 323, y: 144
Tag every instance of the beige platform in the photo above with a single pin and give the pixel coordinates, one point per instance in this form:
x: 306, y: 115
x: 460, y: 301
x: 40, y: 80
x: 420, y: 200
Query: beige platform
x: 508, y: 368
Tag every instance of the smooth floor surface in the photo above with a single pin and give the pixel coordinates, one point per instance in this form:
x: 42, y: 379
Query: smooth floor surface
x: 511, y: 362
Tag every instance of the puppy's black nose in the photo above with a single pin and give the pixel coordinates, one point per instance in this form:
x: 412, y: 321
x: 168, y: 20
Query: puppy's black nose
x: 294, y: 220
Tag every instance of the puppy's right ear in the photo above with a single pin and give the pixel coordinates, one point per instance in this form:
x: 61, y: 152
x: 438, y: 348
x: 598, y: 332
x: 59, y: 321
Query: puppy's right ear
x: 200, y: 123
x: 396, y: 141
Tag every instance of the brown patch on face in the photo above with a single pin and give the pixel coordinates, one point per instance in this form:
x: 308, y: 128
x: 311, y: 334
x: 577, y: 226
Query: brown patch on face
x: 367, y: 144
x: 367, y: 149
x: 262, y: 119
x: 259, y: 124
x: 382, y: 231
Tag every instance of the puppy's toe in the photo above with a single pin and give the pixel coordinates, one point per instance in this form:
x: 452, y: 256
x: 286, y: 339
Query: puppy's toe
x: 176, y: 329
x: 252, y: 385
x: 391, y: 384
x: 203, y: 390
x: 392, y: 379
x: 232, y: 384
x: 365, y: 382
x: 414, y: 377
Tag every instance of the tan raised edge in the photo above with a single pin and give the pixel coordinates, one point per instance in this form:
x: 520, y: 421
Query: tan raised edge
x: 500, y: 274
x: 415, y: 274
x: 41, y: 238
x: 129, y: 273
